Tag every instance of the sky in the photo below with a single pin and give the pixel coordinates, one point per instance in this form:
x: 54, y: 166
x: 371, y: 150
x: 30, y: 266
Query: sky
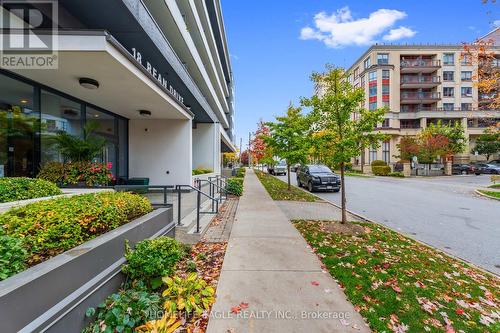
x: 274, y: 45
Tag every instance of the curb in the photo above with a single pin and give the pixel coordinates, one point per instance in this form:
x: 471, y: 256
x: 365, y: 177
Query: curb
x: 486, y: 195
x: 366, y: 219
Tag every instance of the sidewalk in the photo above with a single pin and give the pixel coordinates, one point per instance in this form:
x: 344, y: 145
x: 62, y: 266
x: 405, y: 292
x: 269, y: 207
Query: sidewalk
x: 270, y: 266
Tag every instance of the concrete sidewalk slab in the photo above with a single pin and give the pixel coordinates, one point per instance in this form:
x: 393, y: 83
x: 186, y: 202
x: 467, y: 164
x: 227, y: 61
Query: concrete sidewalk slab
x: 296, y: 210
x: 270, y: 266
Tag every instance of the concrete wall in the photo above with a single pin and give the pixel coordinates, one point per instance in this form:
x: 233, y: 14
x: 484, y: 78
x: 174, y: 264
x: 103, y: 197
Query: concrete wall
x: 206, y: 147
x: 161, y: 150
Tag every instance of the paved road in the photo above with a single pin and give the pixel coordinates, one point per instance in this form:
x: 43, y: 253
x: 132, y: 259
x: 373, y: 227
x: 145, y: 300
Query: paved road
x: 441, y: 211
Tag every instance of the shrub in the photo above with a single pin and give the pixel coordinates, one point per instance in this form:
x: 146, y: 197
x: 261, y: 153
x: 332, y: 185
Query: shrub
x: 381, y: 170
x: 124, y: 310
x: 152, y: 259
x: 92, y: 174
x: 495, y: 178
x: 396, y: 174
x: 201, y: 171
x: 240, y: 172
x: 12, y: 189
x: 12, y: 255
x: 53, y: 226
x: 378, y: 163
x: 191, y: 294
x: 234, y: 186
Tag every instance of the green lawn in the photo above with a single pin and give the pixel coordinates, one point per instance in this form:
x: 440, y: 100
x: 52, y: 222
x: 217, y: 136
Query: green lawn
x: 400, y: 285
x: 491, y: 193
x: 278, y: 190
x: 494, y: 186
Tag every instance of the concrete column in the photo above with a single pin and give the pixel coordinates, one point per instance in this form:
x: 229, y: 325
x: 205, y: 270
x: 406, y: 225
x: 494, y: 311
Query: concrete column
x: 206, y: 147
x: 407, y: 169
x: 161, y: 149
x: 423, y: 123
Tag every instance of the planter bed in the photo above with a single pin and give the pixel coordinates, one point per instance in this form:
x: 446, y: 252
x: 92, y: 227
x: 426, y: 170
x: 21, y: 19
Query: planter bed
x: 55, y: 294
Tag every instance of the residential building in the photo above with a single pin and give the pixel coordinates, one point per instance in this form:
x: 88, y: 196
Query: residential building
x: 155, y: 75
x: 420, y: 85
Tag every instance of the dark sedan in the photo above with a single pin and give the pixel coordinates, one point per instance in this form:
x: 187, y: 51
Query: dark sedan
x: 486, y: 168
x: 318, y: 177
x: 462, y: 169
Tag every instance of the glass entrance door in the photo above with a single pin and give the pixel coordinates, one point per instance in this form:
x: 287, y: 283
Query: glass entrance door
x: 18, y: 125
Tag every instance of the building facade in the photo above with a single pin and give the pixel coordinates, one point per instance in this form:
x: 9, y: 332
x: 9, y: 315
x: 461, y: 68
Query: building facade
x: 154, y: 75
x: 420, y: 85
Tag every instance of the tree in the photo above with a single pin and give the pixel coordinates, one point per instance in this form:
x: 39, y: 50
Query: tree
x: 338, y: 114
x: 488, y: 143
x: 408, y: 147
x: 80, y: 149
x: 287, y: 137
x: 260, y: 151
x: 244, y: 157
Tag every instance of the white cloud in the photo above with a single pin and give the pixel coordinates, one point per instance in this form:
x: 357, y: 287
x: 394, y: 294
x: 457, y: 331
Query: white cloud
x: 399, y: 33
x: 341, y: 29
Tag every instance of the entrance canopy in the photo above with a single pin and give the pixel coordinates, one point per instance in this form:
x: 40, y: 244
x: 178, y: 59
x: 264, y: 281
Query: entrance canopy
x: 124, y: 86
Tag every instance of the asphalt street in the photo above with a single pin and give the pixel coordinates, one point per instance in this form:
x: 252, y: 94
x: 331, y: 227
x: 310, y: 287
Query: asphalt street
x: 441, y: 211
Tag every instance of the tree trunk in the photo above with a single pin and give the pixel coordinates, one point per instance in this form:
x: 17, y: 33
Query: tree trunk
x: 288, y: 174
x: 362, y: 159
x: 342, y: 185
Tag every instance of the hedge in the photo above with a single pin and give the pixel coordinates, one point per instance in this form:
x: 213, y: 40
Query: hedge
x: 234, y: 186
x: 72, y: 173
x: 196, y: 172
x: 378, y: 163
x: 13, y: 189
x: 50, y: 227
x: 381, y: 170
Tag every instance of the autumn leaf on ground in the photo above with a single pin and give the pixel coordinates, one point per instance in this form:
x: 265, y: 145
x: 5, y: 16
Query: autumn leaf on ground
x: 243, y: 305
x: 236, y: 309
x: 315, y: 283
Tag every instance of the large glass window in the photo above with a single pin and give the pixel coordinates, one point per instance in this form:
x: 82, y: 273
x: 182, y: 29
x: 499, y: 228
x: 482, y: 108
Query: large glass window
x: 448, y: 76
x: 466, y: 91
x: 448, y: 92
x: 106, y: 128
x: 18, y: 127
x: 372, y: 76
x: 58, y: 114
x: 367, y: 63
x: 372, y: 154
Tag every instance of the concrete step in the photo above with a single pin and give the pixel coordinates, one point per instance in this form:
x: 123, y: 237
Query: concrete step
x: 186, y: 232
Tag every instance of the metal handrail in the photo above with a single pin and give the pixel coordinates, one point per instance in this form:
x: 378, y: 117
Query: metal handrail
x: 164, y: 188
x: 199, y: 192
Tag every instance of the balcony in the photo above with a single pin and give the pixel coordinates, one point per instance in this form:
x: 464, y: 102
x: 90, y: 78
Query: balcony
x: 420, y: 97
x: 413, y: 81
x: 419, y: 66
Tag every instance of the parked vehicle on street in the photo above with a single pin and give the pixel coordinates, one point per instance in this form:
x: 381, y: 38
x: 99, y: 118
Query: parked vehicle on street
x: 294, y: 167
x: 318, y: 177
x: 462, y: 169
x: 277, y: 169
x: 496, y: 162
x: 486, y: 168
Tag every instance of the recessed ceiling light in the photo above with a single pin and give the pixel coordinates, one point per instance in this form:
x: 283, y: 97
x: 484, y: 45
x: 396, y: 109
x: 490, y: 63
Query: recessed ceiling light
x: 145, y: 113
x: 88, y: 83
x: 24, y: 101
x: 96, y: 116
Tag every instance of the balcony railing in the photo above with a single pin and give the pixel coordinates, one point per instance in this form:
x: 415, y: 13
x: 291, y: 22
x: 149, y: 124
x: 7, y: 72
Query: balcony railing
x: 420, y: 95
x: 435, y: 109
x: 420, y: 63
x: 420, y: 79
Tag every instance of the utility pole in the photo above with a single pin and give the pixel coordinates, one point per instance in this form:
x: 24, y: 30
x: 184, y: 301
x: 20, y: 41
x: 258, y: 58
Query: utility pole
x: 241, y: 141
x: 249, y: 154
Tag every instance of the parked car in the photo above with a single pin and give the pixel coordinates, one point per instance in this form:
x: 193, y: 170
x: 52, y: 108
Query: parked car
x: 295, y: 167
x: 496, y: 162
x: 462, y: 169
x: 486, y: 168
x: 318, y: 177
x: 277, y: 169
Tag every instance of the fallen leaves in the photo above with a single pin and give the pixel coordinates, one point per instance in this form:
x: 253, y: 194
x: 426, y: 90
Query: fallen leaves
x: 385, y: 273
x: 315, y: 283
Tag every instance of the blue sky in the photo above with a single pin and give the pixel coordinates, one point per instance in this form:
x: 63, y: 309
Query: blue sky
x: 271, y: 63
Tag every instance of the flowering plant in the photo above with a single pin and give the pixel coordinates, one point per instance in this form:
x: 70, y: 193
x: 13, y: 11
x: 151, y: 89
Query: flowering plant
x: 72, y: 173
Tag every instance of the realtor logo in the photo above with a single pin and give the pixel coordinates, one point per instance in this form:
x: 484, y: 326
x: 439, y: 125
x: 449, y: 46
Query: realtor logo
x: 28, y: 34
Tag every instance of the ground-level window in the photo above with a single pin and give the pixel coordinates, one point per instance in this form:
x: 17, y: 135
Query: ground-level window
x: 386, y: 151
x: 372, y: 154
x: 448, y: 106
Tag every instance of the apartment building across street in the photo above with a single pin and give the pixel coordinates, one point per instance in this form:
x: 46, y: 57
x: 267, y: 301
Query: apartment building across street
x: 420, y: 85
